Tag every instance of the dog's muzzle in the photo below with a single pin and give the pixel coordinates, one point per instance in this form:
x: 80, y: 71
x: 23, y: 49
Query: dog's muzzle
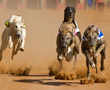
x: 18, y: 34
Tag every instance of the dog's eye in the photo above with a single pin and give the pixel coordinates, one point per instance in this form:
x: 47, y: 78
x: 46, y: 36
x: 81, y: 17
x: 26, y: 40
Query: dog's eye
x: 16, y: 26
x: 21, y: 26
x: 68, y: 38
x: 95, y: 37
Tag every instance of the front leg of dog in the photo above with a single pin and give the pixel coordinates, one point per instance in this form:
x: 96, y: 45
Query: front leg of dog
x: 23, y: 36
x: 88, y: 69
x: 22, y: 45
x: 60, y: 59
x: 18, y: 47
x: 61, y: 65
x: 99, y: 49
x: 91, y: 60
x: 13, y: 52
x: 75, y: 56
x: 75, y: 60
x: 10, y: 42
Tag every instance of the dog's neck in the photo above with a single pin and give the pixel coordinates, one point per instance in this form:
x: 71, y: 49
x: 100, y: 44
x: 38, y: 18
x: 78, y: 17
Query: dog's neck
x: 69, y: 20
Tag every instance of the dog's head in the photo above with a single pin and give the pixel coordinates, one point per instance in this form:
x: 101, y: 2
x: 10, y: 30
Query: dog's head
x: 69, y: 13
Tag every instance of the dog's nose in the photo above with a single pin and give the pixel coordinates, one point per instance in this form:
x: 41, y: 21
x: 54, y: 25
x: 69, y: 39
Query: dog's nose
x: 18, y: 35
x: 64, y: 45
x: 70, y: 14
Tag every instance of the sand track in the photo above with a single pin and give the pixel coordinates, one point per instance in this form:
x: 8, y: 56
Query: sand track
x: 42, y: 26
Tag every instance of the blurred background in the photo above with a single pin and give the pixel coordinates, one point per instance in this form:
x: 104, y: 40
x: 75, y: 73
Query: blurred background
x: 54, y: 4
x: 43, y: 19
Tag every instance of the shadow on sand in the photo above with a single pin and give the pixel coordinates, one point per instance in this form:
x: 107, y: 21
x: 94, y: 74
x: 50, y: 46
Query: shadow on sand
x: 46, y: 80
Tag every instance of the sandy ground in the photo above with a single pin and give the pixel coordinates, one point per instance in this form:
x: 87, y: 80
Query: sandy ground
x: 40, y: 49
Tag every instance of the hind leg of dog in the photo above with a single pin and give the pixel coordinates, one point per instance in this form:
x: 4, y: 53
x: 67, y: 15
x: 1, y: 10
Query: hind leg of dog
x: 2, y: 49
x: 102, y: 59
x: 1, y: 54
x: 102, y: 63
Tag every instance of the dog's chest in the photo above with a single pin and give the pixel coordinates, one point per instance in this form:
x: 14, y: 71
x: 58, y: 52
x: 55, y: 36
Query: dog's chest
x: 67, y: 27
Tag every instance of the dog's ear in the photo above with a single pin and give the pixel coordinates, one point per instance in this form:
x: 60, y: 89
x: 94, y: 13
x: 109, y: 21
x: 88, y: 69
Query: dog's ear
x: 90, y: 27
x: 73, y: 9
x: 70, y: 9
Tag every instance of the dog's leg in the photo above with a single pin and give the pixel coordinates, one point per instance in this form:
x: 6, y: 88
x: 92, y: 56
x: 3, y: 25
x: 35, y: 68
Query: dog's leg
x: 1, y: 54
x: 88, y: 69
x: 22, y: 38
x: 10, y: 42
x: 14, y: 49
x: 18, y: 47
x: 4, y: 42
x: 75, y: 60
x: 95, y: 61
x: 90, y: 59
x: 3, y: 47
x: 99, y: 49
x: 102, y: 61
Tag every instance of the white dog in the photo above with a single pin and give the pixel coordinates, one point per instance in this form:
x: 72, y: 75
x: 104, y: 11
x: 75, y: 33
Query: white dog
x: 14, y: 35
